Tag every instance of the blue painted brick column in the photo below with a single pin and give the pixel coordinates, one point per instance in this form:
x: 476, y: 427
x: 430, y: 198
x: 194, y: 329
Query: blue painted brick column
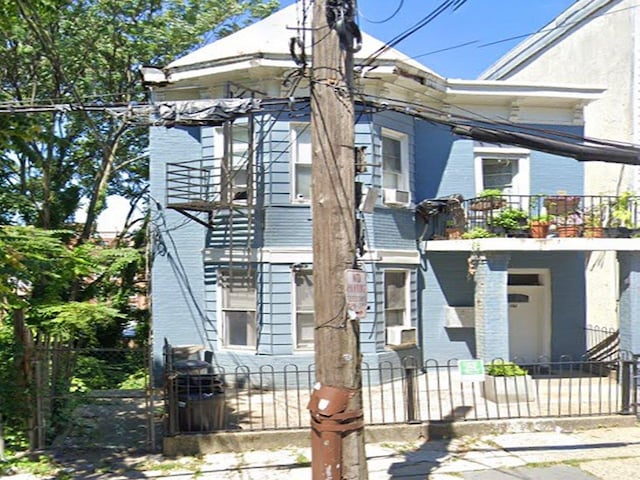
x: 629, y: 301
x: 491, y: 306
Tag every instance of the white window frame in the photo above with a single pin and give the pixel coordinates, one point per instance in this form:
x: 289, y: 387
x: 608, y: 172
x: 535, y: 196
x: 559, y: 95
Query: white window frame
x: 294, y: 130
x: 521, y: 180
x: 295, y: 311
x: 403, y: 138
x: 406, y: 320
x: 218, y: 153
x: 223, y: 309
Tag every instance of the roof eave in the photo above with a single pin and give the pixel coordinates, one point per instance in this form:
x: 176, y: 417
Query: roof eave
x: 475, y: 89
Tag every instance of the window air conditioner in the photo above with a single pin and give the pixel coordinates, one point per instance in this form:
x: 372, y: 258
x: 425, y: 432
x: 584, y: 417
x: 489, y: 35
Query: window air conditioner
x: 395, y: 198
x: 401, y: 335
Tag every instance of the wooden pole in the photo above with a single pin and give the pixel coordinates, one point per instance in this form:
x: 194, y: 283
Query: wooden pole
x: 337, y: 440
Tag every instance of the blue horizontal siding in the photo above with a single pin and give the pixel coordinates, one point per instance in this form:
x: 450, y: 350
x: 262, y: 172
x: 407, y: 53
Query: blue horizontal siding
x: 393, y: 228
x: 288, y: 226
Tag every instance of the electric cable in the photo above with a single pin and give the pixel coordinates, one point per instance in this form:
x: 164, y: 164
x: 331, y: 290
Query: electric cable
x: 385, y: 20
x: 444, y: 6
x: 477, y: 42
x: 492, y: 122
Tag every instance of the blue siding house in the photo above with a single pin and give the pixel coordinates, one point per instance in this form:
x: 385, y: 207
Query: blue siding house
x: 232, y: 263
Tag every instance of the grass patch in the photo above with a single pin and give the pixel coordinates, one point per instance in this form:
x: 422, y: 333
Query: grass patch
x: 40, y: 465
x: 303, y: 460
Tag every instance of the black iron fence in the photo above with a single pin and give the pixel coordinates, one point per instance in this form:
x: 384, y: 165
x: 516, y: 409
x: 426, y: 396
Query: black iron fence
x: 272, y: 399
x: 536, y: 216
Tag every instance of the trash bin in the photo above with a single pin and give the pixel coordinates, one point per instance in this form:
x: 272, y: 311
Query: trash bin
x: 191, y: 367
x: 200, y: 402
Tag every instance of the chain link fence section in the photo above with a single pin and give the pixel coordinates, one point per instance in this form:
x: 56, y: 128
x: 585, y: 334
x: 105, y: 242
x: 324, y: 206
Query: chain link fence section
x: 94, y: 398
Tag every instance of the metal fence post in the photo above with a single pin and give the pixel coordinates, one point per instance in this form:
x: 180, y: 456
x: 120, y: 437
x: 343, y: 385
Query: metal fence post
x: 625, y: 385
x: 410, y: 394
x: 634, y: 383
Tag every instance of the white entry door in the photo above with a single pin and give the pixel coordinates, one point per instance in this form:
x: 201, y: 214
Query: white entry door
x: 528, y: 323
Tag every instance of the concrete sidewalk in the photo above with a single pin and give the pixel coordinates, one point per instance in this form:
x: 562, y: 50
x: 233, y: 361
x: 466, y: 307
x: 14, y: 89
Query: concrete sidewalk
x: 607, y: 453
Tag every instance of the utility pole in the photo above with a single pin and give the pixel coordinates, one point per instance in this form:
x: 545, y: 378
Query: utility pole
x: 336, y: 402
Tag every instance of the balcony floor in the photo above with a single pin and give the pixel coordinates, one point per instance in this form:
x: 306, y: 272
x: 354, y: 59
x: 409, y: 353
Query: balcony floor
x: 555, y: 244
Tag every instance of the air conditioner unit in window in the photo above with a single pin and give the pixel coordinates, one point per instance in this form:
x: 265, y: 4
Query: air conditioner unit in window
x: 401, y: 335
x: 395, y: 198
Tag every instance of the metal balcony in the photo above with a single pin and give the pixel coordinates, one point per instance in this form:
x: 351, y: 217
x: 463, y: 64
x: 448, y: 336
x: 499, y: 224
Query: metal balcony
x: 532, y: 216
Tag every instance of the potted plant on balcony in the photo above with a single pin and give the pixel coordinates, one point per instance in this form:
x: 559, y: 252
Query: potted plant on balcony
x: 454, y: 230
x: 539, y: 226
x: 569, y: 225
x: 593, y: 222
x: 477, y: 232
x: 507, y: 382
x: 513, y: 221
x: 620, y: 220
x: 489, y: 199
x: 561, y: 204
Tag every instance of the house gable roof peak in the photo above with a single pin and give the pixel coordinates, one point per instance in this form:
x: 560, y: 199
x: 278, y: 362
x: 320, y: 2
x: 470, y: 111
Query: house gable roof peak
x: 570, y: 19
x: 270, y: 38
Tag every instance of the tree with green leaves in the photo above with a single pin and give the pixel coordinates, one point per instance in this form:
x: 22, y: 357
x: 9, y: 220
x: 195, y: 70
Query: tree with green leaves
x: 55, y: 295
x: 87, y: 52
x: 57, y: 286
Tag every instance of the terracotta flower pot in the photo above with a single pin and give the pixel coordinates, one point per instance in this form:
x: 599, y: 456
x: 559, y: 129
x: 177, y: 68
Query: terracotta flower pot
x: 593, y: 232
x: 539, y: 229
x: 565, y: 231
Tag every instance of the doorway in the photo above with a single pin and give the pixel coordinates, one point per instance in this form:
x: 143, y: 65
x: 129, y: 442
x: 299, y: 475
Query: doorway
x: 529, y: 315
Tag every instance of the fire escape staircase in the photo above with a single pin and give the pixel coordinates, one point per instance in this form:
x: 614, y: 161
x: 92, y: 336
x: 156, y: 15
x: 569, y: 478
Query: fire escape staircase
x: 223, y: 187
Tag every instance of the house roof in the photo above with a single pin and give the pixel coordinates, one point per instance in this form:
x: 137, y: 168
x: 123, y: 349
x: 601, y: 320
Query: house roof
x: 269, y: 39
x: 568, y: 21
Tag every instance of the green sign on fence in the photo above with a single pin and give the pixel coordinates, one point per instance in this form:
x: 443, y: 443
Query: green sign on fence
x: 471, y: 370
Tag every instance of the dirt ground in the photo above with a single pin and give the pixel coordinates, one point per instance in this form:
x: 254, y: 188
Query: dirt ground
x: 110, y: 434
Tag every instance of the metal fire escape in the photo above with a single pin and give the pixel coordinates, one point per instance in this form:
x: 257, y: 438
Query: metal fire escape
x: 223, y: 187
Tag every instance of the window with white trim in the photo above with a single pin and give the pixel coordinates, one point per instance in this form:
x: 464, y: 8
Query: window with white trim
x: 501, y: 169
x: 395, y: 165
x: 303, y: 306
x: 232, y: 144
x: 396, y: 298
x: 301, y: 162
x: 238, y: 308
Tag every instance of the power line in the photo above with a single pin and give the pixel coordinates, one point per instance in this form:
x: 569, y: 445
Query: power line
x: 563, y: 26
x: 452, y: 119
x: 445, y: 5
x: 134, y: 113
x: 385, y: 20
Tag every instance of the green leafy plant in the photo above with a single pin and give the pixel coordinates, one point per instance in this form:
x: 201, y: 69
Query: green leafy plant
x: 505, y: 369
x: 621, y: 215
x: 510, y: 219
x: 135, y: 381
x: 593, y: 217
x: 490, y: 193
x: 540, y: 220
x: 489, y: 199
x: 477, y: 232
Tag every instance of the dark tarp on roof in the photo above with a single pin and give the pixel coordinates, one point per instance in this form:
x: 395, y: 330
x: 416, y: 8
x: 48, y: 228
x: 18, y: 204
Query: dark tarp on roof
x: 202, y: 112
x: 585, y: 151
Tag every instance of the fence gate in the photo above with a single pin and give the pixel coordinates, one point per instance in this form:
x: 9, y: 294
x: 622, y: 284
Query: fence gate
x: 92, y: 398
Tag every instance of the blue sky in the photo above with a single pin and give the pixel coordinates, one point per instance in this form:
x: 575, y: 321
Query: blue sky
x: 480, y: 21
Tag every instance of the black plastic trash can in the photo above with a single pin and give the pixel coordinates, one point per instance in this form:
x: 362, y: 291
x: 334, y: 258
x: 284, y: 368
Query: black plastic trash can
x: 200, y: 403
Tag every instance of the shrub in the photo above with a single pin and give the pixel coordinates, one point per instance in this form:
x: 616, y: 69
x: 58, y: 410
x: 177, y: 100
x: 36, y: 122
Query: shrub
x: 510, y: 219
x: 505, y: 369
x: 477, y: 232
x: 135, y: 381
